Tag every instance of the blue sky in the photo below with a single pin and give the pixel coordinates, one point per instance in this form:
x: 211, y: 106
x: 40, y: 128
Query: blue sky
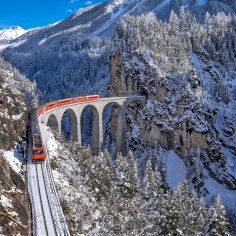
x: 36, y: 13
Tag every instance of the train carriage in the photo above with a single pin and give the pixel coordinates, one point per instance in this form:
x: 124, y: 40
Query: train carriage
x: 65, y: 102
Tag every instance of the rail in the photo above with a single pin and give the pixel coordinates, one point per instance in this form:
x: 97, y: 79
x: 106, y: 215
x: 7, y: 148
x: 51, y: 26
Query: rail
x: 56, y: 199
x: 40, y: 196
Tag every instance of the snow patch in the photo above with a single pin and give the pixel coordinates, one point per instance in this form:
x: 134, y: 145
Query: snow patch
x: 114, y: 17
x: 228, y: 197
x: 176, y: 169
x: 163, y: 4
x: 16, y: 117
x: 5, y: 202
x: 201, y: 2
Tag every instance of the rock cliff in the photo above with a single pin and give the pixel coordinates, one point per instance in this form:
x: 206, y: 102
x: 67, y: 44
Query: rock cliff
x: 175, y: 117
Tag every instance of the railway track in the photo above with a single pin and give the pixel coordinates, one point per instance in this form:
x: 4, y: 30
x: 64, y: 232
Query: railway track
x: 41, y: 202
x: 47, y: 214
x: 42, y: 214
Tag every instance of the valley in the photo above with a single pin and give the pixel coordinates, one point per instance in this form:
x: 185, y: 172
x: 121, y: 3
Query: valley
x: 178, y: 148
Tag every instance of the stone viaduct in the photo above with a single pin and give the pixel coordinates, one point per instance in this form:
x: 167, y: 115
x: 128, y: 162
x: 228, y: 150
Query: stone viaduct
x: 53, y: 119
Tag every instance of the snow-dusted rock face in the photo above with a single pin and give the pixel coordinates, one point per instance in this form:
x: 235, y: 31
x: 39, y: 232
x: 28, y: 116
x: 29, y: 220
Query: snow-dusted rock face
x: 14, y: 208
x: 77, y: 44
x: 13, y: 107
x: 15, y: 92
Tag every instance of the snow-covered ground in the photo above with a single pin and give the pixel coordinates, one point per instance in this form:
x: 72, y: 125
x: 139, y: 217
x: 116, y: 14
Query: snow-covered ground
x: 163, y: 4
x: 227, y: 196
x: 201, y: 2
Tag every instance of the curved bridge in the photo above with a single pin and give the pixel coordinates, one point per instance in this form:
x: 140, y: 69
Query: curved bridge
x: 53, y: 119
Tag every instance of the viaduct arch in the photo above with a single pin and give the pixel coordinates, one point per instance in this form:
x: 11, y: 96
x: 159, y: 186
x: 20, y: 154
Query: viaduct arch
x: 53, y: 119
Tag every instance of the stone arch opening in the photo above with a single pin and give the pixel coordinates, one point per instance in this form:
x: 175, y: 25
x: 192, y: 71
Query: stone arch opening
x: 69, y: 125
x: 89, y: 125
x: 112, y: 117
x: 53, y: 123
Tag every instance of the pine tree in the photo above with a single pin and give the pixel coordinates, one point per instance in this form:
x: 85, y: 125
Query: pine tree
x: 191, y: 210
x: 132, y: 173
x: 216, y: 222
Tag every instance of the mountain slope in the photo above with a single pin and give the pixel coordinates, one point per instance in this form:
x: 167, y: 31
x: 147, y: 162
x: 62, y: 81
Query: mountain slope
x: 70, y: 50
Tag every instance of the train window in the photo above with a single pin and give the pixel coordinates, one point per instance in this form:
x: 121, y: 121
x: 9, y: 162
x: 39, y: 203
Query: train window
x: 39, y: 152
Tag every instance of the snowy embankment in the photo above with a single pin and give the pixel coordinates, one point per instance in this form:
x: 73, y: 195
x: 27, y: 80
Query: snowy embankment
x: 15, y: 160
x: 176, y: 169
x: 75, y: 197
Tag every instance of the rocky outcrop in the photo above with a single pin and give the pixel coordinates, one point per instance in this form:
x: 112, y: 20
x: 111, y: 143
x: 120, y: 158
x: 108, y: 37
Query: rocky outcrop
x: 12, y: 116
x: 14, y: 208
x: 175, y: 116
x: 165, y: 119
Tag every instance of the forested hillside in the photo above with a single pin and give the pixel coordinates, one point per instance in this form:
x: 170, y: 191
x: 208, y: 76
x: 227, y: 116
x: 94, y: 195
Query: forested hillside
x: 73, y: 55
x: 104, y: 197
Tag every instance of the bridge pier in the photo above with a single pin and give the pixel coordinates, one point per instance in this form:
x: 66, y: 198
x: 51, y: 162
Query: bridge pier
x: 124, y: 147
x: 100, y: 128
x: 59, y: 125
x: 95, y: 144
x: 79, y: 138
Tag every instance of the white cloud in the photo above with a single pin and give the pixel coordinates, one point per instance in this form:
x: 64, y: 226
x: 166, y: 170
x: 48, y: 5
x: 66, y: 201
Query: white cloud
x: 4, y: 26
x: 70, y: 10
x: 89, y: 3
x: 86, y: 3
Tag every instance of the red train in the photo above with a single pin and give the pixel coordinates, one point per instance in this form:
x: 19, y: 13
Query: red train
x: 38, y: 150
x: 68, y: 101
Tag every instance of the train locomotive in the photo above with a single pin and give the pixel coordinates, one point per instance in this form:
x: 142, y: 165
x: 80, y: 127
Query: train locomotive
x: 38, y: 150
